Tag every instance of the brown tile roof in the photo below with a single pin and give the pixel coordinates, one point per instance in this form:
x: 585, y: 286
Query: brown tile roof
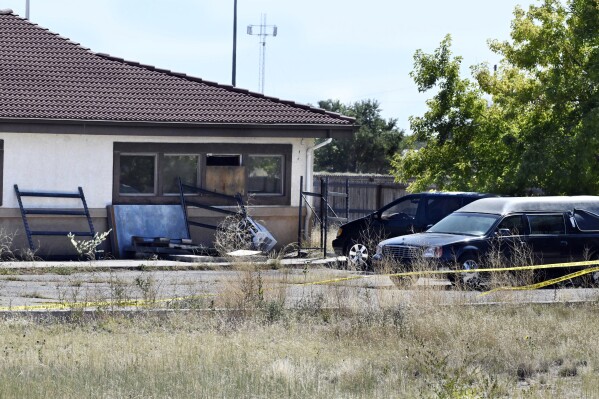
x: 46, y: 76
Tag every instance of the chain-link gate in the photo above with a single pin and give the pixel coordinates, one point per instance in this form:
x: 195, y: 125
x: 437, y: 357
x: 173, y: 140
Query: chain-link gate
x: 324, y: 216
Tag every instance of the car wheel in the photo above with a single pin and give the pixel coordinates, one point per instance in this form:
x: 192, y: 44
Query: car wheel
x: 358, y: 256
x: 474, y: 280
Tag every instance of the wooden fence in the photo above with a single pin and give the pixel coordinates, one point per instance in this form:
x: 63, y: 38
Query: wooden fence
x: 367, y: 193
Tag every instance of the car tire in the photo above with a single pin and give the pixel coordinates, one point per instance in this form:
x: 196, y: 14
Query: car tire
x: 358, y: 256
x: 472, y: 281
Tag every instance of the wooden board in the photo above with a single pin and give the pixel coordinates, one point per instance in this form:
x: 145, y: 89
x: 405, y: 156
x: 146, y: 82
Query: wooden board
x: 228, y: 180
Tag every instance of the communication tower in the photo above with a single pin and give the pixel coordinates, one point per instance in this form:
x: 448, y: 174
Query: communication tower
x: 262, y: 31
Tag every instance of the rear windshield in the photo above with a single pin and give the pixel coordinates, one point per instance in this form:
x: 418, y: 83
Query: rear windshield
x: 472, y: 224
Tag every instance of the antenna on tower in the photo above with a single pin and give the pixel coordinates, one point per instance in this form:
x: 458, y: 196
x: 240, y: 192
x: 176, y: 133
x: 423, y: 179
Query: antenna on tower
x: 263, y: 31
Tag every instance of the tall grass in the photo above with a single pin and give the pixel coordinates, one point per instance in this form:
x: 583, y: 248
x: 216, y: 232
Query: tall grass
x: 501, y: 254
x: 347, y: 341
x: 417, y: 351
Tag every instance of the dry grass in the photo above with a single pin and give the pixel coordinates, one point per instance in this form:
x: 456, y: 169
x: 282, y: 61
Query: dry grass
x: 501, y: 255
x: 248, y: 342
x: 348, y: 341
x: 420, y: 351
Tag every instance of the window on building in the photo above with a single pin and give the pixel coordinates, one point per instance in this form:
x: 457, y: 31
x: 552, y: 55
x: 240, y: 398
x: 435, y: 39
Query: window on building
x: 137, y: 174
x: 265, y: 173
x: 223, y: 160
x: 148, y: 173
x: 186, y: 167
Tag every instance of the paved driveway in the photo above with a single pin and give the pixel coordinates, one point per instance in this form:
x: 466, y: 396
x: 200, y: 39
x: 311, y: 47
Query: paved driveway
x: 132, y: 283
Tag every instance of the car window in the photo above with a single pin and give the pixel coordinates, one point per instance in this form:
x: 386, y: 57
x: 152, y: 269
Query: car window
x: 474, y: 224
x: 438, y: 208
x: 585, y: 220
x: 547, y: 224
x: 408, y: 206
x: 515, y: 224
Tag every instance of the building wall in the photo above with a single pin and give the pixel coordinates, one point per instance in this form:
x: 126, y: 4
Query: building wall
x: 62, y: 162
x: 56, y: 162
x: 281, y: 221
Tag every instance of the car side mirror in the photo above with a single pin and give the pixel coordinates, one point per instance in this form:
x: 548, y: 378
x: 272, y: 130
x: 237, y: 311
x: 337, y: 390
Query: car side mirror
x: 504, y: 232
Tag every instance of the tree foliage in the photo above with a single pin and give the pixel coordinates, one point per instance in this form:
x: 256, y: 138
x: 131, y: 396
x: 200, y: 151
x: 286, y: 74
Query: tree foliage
x: 371, y: 148
x: 532, y: 123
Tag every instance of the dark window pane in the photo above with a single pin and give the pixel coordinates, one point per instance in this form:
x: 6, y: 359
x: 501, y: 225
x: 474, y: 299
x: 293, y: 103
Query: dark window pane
x: 137, y: 174
x: 265, y: 174
x: 438, y: 208
x: 408, y: 206
x: 175, y: 166
x: 223, y: 160
x: 586, y: 221
x: 546, y: 224
x: 515, y: 224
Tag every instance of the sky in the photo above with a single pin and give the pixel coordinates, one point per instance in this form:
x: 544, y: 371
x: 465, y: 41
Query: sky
x: 347, y: 50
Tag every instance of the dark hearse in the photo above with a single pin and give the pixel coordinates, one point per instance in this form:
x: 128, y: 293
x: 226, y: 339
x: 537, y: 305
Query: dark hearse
x: 409, y: 214
x: 553, y: 229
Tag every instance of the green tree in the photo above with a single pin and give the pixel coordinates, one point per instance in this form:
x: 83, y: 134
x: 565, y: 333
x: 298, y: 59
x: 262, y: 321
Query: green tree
x: 550, y: 76
x: 450, y: 157
x: 372, y: 147
x: 532, y: 123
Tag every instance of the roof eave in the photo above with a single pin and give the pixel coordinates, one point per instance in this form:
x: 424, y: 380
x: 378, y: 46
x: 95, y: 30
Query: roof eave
x: 141, y: 128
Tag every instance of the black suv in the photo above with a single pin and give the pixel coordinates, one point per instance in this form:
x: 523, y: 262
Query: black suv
x: 552, y: 229
x: 409, y: 214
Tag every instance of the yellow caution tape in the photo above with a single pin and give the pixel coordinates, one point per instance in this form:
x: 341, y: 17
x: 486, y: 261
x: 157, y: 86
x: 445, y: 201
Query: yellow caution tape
x: 142, y: 303
x: 99, y: 304
x: 479, y: 270
x: 546, y: 282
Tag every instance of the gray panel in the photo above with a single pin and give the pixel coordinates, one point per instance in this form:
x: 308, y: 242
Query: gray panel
x: 127, y: 221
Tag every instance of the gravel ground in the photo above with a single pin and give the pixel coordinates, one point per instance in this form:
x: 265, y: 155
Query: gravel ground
x: 48, y: 285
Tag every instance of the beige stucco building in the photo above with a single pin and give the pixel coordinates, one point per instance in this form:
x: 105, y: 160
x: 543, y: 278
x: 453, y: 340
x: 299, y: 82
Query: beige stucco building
x: 124, y: 132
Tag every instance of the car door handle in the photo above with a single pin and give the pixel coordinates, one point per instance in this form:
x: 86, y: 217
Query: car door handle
x: 563, y: 243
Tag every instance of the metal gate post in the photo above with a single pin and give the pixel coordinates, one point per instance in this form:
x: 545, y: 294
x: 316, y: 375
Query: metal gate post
x: 24, y: 217
x: 347, y: 199
x: 326, y: 217
x: 299, y: 218
x: 322, y: 205
x: 86, y: 210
